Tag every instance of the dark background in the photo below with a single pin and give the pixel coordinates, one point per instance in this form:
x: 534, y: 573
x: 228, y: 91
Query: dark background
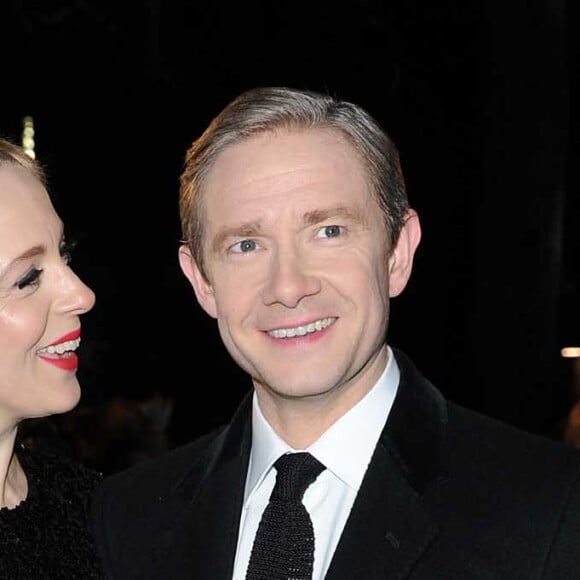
x: 476, y: 94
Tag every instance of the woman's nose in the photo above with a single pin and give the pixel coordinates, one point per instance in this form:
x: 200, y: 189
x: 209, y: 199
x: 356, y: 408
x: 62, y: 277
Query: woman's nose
x: 77, y: 297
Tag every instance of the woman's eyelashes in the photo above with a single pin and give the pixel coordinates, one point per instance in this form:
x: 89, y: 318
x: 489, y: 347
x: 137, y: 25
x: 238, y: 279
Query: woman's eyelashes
x: 32, y: 276
x: 30, y: 279
x: 66, y: 250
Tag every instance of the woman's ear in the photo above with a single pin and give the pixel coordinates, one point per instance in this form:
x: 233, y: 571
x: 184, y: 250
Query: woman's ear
x: 202, y: 288
x: 401, y: 258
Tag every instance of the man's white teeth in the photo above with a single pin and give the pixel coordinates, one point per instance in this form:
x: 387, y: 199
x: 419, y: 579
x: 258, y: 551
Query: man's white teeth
x: 62, y: 347
x: 301, y: 330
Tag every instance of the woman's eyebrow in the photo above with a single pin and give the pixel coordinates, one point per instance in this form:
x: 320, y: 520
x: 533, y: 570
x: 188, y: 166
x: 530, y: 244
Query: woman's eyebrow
x: 26, y: 255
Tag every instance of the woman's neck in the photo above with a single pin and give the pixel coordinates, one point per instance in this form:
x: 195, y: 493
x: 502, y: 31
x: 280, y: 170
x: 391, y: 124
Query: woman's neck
x: 13, y: 484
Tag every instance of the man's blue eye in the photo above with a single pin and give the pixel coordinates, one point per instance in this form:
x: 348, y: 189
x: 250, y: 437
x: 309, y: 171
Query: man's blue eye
x: 244, y: 246
x: 330, y: 231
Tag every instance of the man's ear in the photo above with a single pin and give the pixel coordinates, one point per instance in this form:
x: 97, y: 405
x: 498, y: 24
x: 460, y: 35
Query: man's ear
x: 401, y: 258
x: 202, y: 288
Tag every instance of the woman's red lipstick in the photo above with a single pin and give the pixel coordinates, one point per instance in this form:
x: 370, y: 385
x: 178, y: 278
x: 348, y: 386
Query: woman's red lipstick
x: 72, y: 335
x: 68, y: 360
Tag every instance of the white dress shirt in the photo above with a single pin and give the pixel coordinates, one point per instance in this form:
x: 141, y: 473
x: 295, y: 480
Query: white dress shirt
x: 345, y: 449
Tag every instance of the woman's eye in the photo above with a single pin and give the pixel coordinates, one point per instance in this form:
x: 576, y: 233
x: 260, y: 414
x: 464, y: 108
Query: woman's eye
x: 31, y: 278
x: 330, y: 232
x: 66, y: 249
x: 244, y: 247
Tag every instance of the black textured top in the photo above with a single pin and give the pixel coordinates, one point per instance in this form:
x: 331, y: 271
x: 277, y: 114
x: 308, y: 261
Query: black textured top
x: 47, y: 537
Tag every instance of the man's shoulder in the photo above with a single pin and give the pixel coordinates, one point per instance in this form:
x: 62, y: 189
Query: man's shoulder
x: 466, y: 423
x: 470, y: 433
x: 491, y: 445
x: 477, y: 451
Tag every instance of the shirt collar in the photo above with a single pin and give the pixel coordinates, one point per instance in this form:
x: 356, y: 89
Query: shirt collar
x: 345, y: 448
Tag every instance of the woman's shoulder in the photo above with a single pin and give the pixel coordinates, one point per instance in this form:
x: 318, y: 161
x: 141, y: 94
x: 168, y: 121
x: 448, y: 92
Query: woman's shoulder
x: 47, y: 535
x: 52, y: 470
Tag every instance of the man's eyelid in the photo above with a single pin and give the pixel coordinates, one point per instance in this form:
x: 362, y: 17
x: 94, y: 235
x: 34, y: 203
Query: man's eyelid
x: 230, y: 235
x: 321, y: 229
x: 240, y: 240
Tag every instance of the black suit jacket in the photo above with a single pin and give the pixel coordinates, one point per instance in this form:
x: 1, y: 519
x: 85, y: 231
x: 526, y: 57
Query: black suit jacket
x: 449, y: 495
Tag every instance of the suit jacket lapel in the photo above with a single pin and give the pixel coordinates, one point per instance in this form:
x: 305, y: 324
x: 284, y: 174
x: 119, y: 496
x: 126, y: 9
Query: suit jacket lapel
x: 389, y: 528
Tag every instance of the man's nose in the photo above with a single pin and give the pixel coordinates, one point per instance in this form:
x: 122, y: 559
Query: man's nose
x: 290, y: 279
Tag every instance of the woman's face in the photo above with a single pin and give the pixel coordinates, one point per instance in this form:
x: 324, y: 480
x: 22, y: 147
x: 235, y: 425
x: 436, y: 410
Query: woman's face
x: 41, y: 300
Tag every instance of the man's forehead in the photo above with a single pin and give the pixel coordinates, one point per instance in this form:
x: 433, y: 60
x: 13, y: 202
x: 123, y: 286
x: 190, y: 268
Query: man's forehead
x: 290, y: 164
x: 285, y: 148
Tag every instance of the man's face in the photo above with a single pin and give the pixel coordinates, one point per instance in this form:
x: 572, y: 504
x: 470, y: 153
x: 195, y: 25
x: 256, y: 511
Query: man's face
x: 298, y: 264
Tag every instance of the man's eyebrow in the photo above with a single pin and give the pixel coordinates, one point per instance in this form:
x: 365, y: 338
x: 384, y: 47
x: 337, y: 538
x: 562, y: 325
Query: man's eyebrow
x: 243, y: 230
x: 310, y: 218
x: 319, y: 215
x: 26, y: 255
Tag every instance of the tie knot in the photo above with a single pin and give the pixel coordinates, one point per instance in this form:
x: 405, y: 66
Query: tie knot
x: 295, y: 472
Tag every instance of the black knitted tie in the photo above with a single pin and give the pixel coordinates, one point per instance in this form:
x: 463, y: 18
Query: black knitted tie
x: 284, y: 545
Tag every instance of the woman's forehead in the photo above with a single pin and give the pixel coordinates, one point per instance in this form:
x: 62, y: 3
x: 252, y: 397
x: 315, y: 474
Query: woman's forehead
x: 27, y: 215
